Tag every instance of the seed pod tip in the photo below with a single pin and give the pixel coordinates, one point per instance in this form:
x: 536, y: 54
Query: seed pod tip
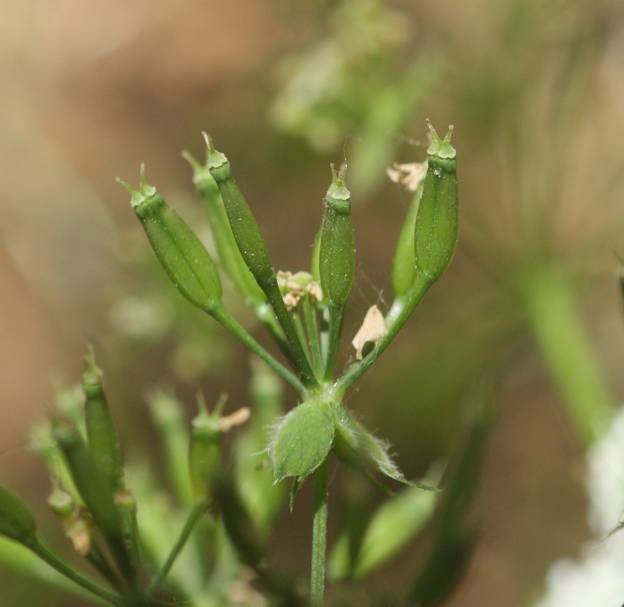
x: 338, y: 189
x: 92, y: 375
x: 439, y: 147
x: 191, y: 160
x: 214, y: 158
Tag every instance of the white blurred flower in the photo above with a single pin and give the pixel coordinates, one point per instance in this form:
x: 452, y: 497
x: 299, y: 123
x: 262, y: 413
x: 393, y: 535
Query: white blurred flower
x: 595, y: 578
x: 605, y: 479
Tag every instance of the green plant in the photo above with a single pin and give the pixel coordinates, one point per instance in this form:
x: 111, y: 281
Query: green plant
x: 228, y: 516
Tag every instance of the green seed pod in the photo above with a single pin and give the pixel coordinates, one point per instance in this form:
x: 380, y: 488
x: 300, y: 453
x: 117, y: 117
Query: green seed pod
x: 127, y: 506
x: 101, y: 432
x: 16, y: 521
x: 254, y: 251
x: 336, y: 249
x: 404, y: 264
x: 92, y: 483
x: 168, y: 416
x: 180, y: 252
x: 262, y: 497
x: 205, y: 451
x: 227, y: 248
x: 435, y: 234
x: 242, y: 222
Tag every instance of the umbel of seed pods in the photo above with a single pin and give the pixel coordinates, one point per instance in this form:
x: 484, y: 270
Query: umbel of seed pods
x: 301, y: 441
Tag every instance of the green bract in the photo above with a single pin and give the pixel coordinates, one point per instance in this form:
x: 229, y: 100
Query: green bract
x: 361, y: 449
x: 16, y: 521
x: 435, y: 234
x: 101, y: 432
x: 392, y: 527
x: 336, y: 247
x: 302, y: 440
x: 180, y: 252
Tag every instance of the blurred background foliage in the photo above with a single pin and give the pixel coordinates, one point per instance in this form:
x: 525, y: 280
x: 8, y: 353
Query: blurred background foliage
x: 534, y: 88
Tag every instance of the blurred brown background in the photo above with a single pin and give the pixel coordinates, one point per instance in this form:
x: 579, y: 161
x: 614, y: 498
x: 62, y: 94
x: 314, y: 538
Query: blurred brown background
x: 91, y: 90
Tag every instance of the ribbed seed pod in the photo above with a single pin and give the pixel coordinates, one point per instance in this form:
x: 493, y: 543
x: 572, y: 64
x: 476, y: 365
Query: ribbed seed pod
x: 101, y: 432
x: 245, y: 229
x: 227, y: 249
x: 180, y: 252
x: 254, y: 251
x: 435, y: 234
x: 204, y: 453
x: 404, y: 262
x: 336, y: 248
x: 92, y: 483
x: 16, y: 521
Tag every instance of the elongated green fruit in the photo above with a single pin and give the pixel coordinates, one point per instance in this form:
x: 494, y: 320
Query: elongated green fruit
x: 404, y: 263
x: 94, y: 487
x: 204, y: 452
x: 180, y: 252
x: 336, y: 248
x: 227, y: 248
x: 254, y: 251
x: 101, y: 432
x: 244, y: 227
x: 16, y: 521
x: 435, y: 234
x: 336, y: 259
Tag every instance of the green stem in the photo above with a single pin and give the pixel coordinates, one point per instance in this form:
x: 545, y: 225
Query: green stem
x: 98, y: 560
x: 309, y: 315
x: 319, y: 537
x: 397, y: 316
x: 336, y: 314
x: 564, y: 346
x: 194, y: 516
x: 222, y: 316
x: 301, y: 334
x: 51, y: 559
x: 274, y: 296
x: 265, y: 313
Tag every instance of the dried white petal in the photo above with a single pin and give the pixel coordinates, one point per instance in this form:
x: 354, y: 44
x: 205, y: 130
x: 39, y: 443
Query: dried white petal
x: 315, y: 291
x: 239, y: 417
x: 291, y: 300
x: 372, y: 330
x: 409, y: 175
x: 78, y: 534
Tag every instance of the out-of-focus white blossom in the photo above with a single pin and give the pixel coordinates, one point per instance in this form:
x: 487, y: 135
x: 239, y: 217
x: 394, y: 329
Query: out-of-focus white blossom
x: 605, y: 479
x: 596, y: 577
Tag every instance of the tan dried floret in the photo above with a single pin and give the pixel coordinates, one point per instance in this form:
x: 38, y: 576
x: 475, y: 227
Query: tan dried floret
x: 372, y: 330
